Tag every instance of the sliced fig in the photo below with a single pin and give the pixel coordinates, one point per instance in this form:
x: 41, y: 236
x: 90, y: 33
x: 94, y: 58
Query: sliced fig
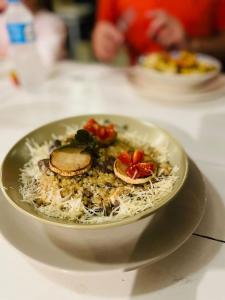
x: 70, y: 161
x: 120, y: 171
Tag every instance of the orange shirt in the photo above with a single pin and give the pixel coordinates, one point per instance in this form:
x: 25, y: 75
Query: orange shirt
x: 199, y: 17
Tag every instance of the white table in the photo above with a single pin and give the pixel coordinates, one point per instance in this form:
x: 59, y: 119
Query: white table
x: 197, y: 269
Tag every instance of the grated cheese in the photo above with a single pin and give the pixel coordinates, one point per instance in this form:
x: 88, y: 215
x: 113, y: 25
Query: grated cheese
x: 132, y: 199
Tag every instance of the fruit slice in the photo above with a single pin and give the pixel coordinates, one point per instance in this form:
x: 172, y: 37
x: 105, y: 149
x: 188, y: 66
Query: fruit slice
x: 70, y: 161
x: 120, y: 171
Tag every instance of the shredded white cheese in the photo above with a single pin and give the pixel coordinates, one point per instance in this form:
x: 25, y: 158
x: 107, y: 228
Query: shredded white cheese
x: 132, y: 199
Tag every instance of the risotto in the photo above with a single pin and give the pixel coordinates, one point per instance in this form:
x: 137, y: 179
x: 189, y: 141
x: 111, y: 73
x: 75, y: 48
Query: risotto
x: 104, y: 173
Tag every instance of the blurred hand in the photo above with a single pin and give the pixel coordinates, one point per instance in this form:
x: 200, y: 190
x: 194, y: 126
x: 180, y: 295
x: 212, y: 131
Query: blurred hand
x: 107, y: 40
x: 3, y: 5
x: 166, y: 30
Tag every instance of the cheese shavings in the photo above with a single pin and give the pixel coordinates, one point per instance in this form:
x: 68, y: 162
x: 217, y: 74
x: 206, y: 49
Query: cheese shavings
x: 94, y: 198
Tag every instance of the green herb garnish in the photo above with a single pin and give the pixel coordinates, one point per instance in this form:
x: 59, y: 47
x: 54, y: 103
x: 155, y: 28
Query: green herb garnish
x: 84, y: 139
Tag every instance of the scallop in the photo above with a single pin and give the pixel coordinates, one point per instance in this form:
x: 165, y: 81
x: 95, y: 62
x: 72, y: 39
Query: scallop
x: 70, y: 161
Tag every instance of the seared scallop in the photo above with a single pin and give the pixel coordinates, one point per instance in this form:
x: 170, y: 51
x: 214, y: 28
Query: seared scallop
x: 70, y: 161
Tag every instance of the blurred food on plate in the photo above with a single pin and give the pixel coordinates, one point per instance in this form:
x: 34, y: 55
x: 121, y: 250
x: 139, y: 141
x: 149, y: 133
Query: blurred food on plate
x: 183, y: 62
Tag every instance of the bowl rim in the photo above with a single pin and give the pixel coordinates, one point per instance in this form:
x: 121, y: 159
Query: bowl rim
x: 128, y: 220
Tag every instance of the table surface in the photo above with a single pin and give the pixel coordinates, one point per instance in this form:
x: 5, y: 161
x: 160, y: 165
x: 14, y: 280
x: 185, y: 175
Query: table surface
x: 197, y: 269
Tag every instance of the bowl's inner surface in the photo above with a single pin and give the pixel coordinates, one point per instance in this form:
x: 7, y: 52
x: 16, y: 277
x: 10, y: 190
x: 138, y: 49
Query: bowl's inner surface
x: 19, y: 155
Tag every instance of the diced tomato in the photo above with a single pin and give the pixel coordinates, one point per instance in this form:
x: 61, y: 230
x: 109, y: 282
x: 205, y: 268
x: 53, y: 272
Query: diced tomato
x: 106, y: 132
x: 145, y: 169
x: 132, y: 171
x: 135, y: 167
x: 110, y: 127
x: 125, y: 158
x: 101, y: 133
x: 91, y: 126
x: 110, y: 130
x: 90, y: 123
x: 131, y: 158
x: 140, y: 170
x: 111, y: 135
x: 96, y: 127
x: 91, y: 129
x: 137, y: 156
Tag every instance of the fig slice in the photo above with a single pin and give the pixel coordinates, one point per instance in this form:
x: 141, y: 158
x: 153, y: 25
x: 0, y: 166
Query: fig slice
x: 70, y: 161
x: 120, y: 172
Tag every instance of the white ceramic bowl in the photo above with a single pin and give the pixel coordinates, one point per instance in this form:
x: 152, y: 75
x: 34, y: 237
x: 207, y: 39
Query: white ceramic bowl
x: 118, y: 236
x: 146, y: 75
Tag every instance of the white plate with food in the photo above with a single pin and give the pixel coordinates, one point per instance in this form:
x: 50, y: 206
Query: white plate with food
x: 171, y: 94
x: 182, y: 69
x: 94, y: 184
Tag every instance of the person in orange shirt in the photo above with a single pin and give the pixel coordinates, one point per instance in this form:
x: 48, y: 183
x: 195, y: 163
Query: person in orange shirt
x: 152, y: 25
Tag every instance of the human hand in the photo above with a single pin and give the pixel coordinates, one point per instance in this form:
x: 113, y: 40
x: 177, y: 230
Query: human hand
x: 166, y: 30
x: 3, y: 5
x: 106, y: 40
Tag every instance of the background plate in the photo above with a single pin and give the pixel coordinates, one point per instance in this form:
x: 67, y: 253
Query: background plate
x: 184, y: 80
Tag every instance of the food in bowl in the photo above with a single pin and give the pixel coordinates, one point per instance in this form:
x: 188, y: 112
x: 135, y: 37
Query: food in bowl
x: 101, y: 173
x: 183, y: 62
